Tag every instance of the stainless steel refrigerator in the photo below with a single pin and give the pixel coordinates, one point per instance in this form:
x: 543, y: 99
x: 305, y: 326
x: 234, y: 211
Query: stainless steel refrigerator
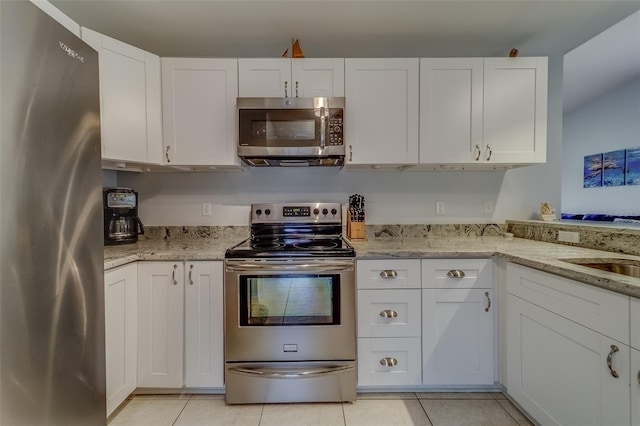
x: 52, y: 368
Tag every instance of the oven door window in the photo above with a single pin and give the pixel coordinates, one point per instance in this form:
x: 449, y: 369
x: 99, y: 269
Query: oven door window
x: 288, y: 300
x: 279, y: 128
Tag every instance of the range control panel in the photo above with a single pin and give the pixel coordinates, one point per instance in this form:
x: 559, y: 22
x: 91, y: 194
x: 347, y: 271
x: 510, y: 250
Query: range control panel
x: 296, y: 212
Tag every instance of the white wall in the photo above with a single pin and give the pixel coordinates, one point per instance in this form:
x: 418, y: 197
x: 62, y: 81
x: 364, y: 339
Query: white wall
x: 392, y: 197
x: 609, y: 123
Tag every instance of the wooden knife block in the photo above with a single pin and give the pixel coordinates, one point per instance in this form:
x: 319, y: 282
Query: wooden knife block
x: 355, y: 230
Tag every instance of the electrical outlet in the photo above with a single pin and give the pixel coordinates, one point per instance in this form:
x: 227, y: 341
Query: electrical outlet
x: 206, y: 209
x: 569, y: 237
x: 441, y: 208
x: 488, y: 207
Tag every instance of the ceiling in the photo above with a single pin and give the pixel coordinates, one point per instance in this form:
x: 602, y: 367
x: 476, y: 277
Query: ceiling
x: 350, y: 28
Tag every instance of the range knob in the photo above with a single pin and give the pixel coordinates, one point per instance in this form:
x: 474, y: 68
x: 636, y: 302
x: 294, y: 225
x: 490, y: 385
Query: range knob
x: 267, y: 212
x: 325, y: 211
x: 316, y: 211
x: 334, y: 211
x: 258, y: 212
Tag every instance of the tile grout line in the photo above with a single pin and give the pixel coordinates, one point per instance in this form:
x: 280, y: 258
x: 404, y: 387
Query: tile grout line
x: 261, y: 414
x: 181, y: 411
x: 510, y: 415
x: 423, y: 409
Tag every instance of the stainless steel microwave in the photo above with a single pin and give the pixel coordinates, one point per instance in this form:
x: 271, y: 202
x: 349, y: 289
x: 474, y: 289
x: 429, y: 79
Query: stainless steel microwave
x: 291, y: 131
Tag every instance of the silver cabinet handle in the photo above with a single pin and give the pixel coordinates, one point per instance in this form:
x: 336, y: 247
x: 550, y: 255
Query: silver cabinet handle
x: 173, y: 275
x: 350, y: 152
x: 486, y: 293
x: 479, y: 152
x: 455, y: 273
x: 614, y: 349
x: 323, y: 127
x: 388, y: 313
x: 190, y: 272
x: 388, y: 273
x: 286, y: 83
x: 166, y: 153
x: 296, y: 89
x: 389, y: 362
x: 490, y: 152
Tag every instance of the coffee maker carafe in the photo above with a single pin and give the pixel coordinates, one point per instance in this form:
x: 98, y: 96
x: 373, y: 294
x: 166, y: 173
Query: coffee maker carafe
x: 121, y: 222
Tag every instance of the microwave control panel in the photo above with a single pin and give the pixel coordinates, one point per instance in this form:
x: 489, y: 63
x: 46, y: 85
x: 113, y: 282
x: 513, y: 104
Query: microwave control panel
x: 335, y: 126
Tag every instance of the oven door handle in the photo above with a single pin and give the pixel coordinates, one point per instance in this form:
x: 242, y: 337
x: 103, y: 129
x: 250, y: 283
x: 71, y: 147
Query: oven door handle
x: 307, y: 267
x: 291, y: 373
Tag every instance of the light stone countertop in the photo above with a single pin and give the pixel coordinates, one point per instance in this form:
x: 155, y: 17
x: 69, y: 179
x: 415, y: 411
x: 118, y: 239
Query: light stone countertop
x: 535, y: 254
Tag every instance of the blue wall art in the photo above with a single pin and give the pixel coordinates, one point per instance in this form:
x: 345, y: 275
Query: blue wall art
x: 615, y: 168
x: 593, y: 171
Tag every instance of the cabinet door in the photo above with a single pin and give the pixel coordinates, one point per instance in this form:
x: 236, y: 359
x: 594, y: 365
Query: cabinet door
x: 515, y: 110
x: 317, y: 77
x: 635, y: 322
x: 121, y: 326
x: 130, y: 100
x: 635, y: 387
x: 557, y: 369
x: 264, y: 77
x: 160, y: 324
x: 458, y: 337
x: 204, y: 363
x: 381, y: 117
x: 450, y: 110
x: 389, y: 313
x: 199, y: 106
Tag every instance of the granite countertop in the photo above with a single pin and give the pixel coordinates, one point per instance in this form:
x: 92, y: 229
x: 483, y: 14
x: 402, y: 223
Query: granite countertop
x: 539, y: 255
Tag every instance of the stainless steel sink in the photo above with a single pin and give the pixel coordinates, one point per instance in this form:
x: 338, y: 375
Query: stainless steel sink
x: 627, y: 267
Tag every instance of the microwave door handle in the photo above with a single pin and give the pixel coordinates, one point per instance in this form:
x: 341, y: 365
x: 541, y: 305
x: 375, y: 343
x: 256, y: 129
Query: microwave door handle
x: 323, y: 127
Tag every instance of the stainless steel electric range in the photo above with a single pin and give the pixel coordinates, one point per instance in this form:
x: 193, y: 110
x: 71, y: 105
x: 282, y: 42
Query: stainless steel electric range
x: 290, y: 332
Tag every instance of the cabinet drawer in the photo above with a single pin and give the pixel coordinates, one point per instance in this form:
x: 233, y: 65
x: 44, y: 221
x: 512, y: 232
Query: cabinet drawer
x: 389, y: 313
x: 403, y: 353
x: 595, y: 308
x: 457, y: 273
x: 388, y: 274
x: 635, y: 323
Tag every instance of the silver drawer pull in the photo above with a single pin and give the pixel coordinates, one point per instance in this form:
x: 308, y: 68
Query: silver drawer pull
x: 613, y: 372
x: 389, y: 362
x: 455, y: 273
x: 486, y: 293
x: 173, y: 275
x: 388, y: 313
x: 388, y: 273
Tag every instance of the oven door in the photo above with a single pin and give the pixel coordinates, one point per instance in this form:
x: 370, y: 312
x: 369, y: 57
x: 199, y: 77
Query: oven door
x: 289, y: 310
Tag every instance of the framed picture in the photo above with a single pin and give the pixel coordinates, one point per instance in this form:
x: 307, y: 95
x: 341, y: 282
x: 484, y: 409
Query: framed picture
x: 632, y: 167
x: 613, y: 166
x: 592, y: 171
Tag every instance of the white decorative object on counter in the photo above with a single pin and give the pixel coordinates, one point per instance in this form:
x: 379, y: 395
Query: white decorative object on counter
x: 547, y: 212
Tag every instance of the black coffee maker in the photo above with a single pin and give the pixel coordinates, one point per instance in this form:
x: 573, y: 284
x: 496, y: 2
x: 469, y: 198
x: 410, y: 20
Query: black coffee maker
x: 121, y: 222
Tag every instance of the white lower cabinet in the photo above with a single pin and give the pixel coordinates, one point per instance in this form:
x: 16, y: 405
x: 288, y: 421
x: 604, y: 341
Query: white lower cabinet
x: 120, y: 291
x: 457, y: 336
x: 204, y: 331
x: 635, y: 386
x: 559, y: 370
x: 160, y: 324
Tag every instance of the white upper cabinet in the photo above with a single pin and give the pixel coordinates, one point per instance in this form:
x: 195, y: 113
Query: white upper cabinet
x: 483, y: 113
x: 130, y: 100
x: 199, y: 111
x: 381, y: 117
x: 450, y: 109
x: 515, y: 110
x: 284, y: 77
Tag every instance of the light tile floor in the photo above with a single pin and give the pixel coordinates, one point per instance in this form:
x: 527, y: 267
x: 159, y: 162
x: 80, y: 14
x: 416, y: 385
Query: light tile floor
x: 371, y: 409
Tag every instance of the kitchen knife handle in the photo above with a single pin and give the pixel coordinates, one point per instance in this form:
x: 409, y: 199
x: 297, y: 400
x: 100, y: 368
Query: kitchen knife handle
x: 388, y: 273
x: 613, y: 372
